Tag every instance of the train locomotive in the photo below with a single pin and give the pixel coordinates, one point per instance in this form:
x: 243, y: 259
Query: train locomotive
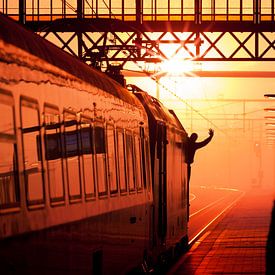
x: 92, y: 175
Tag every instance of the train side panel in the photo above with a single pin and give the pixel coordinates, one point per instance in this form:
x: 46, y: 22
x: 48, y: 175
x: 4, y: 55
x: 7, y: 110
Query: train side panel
x: 176, y: 189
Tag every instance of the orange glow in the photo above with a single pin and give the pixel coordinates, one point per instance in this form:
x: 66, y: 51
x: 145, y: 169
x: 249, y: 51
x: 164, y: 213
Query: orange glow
x: 176, y: 67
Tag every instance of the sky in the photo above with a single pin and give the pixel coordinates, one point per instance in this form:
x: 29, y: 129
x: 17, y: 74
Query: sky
x: 232, y: 158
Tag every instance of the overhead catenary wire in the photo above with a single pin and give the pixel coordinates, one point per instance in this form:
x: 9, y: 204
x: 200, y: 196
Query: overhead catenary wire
x: 87, y: 2
x: 71, y: 7
x: 184, y: 101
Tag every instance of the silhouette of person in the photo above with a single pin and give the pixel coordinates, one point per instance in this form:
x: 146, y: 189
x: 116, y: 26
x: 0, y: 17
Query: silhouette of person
x: 191, y: 148
x: 270, y: 245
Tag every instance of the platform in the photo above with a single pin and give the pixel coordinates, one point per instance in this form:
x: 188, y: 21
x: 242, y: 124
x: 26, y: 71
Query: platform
x: 236, y: 244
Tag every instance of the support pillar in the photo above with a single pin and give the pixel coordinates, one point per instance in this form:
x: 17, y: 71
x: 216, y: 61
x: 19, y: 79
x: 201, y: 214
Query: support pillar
x: 22, y: 11
x: 80, y: 15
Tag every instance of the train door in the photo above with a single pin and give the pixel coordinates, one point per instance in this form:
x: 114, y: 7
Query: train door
x: 161, y: 207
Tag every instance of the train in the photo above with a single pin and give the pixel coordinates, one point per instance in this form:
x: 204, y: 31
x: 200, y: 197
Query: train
x: 93, y: 178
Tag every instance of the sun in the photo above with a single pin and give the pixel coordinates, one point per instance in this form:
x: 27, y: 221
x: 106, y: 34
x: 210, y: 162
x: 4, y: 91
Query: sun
x: 176, y: 66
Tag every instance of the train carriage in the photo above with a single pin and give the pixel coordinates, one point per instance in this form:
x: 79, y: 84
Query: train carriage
x: 169, y: 178
x: 85, y: 186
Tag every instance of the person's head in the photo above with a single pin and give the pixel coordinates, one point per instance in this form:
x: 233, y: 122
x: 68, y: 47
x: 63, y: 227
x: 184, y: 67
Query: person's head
x: 193, y: 137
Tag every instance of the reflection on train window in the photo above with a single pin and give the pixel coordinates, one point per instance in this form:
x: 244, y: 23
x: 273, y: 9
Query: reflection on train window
x: 111, y: 159
x: 130, y: 162
x: 31, y: 139
x: 147, y: 163
x: 138, y: 163
x: 53, y: 154
x: 71, y: 147
x: 9, y: 184
x: 121, y: 161
x: 99, y: 139
x: 99, y: 135
x: 86, y: 138
x: 143, y: 157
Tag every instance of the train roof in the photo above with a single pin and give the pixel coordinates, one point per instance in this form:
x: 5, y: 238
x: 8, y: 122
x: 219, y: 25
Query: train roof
x: 156, y: 108
x: 12, y: 33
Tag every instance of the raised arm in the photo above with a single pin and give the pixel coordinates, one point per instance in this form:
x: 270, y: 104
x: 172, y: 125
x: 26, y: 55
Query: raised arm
x: 206, y: 141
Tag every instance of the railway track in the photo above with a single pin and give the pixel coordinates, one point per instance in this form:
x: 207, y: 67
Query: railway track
x: 206, y: 212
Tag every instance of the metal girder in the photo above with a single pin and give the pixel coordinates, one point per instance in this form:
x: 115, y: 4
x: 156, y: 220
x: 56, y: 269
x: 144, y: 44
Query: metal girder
x: 102, y: 42
x: 198, y: 30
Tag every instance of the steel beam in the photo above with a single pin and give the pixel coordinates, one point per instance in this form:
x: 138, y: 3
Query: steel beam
x: 203, y: 34
x: 22, y: 11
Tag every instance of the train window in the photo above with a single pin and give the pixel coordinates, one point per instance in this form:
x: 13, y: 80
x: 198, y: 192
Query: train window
x: 53, y: 154
x: 9, y: 182
x: 86, y: 137
x: 147, y: 163
x: 71, y: 148
x: 33, y: 167
x: 130, y: 161
x: 100, y: 154
x: 144, y: 166
x: 121, y: 161
x: 138, y: 163
x: 112, y: 174
x: 99, y: 139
